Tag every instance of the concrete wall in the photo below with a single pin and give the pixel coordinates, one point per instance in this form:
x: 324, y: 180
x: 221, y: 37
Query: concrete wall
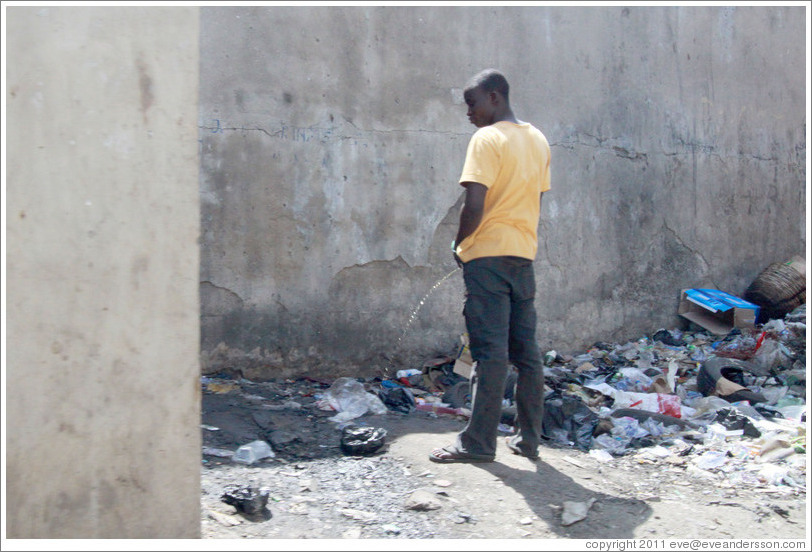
x: 332, y: 139
x: 102, y: 376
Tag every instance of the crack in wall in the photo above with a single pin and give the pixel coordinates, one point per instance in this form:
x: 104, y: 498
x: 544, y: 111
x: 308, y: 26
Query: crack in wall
x: 684, y: 245
x: 220, y: 129
x: 690, y: 148
x: 420, y: 130
x: 224, y: 289
x: 399, y: 260
x: 309, y: 133
x: 634, y: 156
x: 322, y: 134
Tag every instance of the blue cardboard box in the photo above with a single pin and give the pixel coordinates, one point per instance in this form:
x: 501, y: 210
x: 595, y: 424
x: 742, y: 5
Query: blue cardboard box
x: 716, y: 310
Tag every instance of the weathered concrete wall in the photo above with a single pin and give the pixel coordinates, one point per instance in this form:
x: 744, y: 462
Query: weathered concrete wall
x: 332, y: 139
x: 102, y: 375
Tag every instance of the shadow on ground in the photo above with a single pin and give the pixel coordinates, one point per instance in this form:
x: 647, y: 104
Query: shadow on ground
x: 610, y: 517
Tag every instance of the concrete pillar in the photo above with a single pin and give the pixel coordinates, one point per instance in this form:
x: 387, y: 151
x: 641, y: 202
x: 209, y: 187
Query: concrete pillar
x: 102, y: 221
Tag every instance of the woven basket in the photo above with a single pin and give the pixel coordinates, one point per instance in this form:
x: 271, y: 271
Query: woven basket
x: 779, y: 289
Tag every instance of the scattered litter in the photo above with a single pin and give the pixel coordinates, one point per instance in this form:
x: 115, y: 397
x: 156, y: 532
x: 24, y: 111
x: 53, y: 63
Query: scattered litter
x: 601, y: 455
x: 399, y: 399
x: 253, y: 452
x: 247, y: 499
x: 701, y: 402
x: 772, y: 474
x: 350, y: 399
x: 731, y: 419
x: 711, y: 459
x: 362, y: 441
x: 439, y: 409
x: 408, y: 373
x: 568, y: 420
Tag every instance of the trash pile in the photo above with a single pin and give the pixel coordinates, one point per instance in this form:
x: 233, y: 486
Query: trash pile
x: 732, y: 404
x: 735, y: 403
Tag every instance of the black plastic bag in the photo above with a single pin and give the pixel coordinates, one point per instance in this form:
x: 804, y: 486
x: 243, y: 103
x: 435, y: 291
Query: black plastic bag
x: 732, y: 419
x: 399, y: 399
x: 362, y: 441
x: 568, y: 420
x: 669, y: 337
x: 247, y: 499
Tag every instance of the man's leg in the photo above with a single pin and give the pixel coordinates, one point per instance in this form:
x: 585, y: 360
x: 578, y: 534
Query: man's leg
x: 487, y: 319
x: 525, y: 355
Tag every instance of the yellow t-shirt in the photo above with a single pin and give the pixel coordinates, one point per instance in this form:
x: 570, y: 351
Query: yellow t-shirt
x: 513, y: 162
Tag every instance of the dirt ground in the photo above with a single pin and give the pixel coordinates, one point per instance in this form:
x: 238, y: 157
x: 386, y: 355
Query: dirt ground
x: 317, y: 492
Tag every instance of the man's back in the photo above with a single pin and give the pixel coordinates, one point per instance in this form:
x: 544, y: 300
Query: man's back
x: 513, y: 161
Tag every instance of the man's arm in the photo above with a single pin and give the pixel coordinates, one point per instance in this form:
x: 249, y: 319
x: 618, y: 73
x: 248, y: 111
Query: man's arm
x: 471, y: 214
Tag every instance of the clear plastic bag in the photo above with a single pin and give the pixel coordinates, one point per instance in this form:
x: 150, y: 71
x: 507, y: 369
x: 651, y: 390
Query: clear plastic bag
x: 253, y: 452
x: 652, y: 402
x: 349, y: 398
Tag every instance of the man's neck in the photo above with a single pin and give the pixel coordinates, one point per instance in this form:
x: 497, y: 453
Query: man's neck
x: 506, y: 115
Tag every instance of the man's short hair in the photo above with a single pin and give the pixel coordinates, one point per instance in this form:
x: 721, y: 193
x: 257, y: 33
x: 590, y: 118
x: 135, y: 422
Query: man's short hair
x: 490, y: 80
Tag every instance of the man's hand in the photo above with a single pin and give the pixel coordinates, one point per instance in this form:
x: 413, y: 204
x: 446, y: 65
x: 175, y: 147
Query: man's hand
x: 457, y: 258
x: 471, y: 214
x: 454, y: 251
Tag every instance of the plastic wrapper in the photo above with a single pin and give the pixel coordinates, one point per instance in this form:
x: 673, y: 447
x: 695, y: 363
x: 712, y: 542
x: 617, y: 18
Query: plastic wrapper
x: 615, y: 446
x: 253, y: 452
x: 711, y: 459
x: 349, y: 398
x: 568, y: 420
x: 398, y: 399
x: 362, y: 441
x: 772, y: 355
x: 246, y: 499
x: 633, y: 380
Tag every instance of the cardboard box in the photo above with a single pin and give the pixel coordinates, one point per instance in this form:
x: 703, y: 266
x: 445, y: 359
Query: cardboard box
x: 717, y: 311
x: 464, y: 365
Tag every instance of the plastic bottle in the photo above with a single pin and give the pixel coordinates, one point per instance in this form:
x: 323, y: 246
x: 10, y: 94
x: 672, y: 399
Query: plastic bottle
x: 409, y: 372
